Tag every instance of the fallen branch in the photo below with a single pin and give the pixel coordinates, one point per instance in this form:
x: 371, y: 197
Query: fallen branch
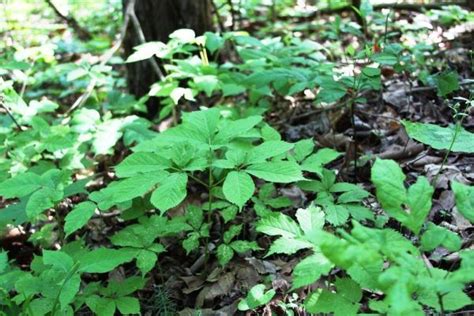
x: 82, y: 33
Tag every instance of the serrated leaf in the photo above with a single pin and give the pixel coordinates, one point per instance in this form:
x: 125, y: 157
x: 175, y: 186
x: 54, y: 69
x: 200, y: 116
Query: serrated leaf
x: 311, y: 221
x: 288, y: 246
x: 267, y: 150
x: 146, y: 260
x: 315, y: 162
x: 236, y: 128
x: 419, y: 200
x: 337, y: 215
x: 310, y: 269
x: 128, y: 305
x: 256, y: 297
x: 303, y: 149
x: 21, y: 185
x: 224, y: 254
x: 464, y: 196
x: 78, y: 217
x: 57, y: 259
x: 103, y: 260
x: 244, y: 245
x: 441, y: 137
x: 41, y: 200
x: 141, y: 162
x: 436, y: 236
x: 388, y: 179
x: 171, y: 192
x: 238, y: 188
x: 279, y: 225
x: 276, y: 171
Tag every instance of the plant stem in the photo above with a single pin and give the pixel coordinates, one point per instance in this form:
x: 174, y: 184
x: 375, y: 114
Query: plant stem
x: 445, y: 159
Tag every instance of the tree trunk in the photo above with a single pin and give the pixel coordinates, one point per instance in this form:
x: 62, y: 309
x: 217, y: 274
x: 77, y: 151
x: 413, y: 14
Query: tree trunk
x: 158, y: 19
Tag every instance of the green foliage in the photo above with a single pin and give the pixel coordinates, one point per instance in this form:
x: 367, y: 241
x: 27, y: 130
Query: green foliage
x: 441, y: 137
x: 256, y: 297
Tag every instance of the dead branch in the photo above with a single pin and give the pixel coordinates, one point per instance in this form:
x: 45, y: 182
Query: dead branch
x: 82, y: 33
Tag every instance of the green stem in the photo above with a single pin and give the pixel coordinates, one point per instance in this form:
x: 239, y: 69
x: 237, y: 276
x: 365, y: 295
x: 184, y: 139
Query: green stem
x: 71, y: 273
x: 445, y: 159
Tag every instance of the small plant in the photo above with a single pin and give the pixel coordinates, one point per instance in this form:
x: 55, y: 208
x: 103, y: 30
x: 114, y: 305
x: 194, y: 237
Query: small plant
x: 256, y: 297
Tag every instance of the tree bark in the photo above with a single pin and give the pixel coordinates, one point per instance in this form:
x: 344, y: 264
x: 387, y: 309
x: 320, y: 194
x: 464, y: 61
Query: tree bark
x: 158, y: 19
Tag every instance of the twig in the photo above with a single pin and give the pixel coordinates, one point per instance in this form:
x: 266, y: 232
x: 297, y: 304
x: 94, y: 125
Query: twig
x: 142, y: 39
x: 72, y: 22
x: 103, y: 60
x: 9, y: 113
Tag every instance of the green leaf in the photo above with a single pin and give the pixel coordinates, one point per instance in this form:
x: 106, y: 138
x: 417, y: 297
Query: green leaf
x: 146, y: 260
x: 171, y: 192
x: 238, y: 188
x: 385, y: 59
x: 232, y: 232
x: 147, y: 50
x: 78, y: 217
x: 41, y: 200
x: 311, y: 221
x: 436, y: 236
x: 256, y: 297
x: 279, y: 225
x: 236, y: 128
x: 310, y: 269
x: 276, y: 171
x: 101, y: 306
x: 103, y: 260
x: 58, y: 259
x: 388, y: 179
x: 447, y: 82
x: 303, y: 149
x: 464, y: 196
x: 224, y: 254
x: 288, y: 246
x: 128, y: 305
x: 419, y: 200
x: 127, y: 189
x: 315, y: 162
x: 203, y: 123
x: 206, y: 83
x: 267, y: 150
x: 337, y: 215
x: 441, y: 137
x: 21, y: 185
x: 141, y: 162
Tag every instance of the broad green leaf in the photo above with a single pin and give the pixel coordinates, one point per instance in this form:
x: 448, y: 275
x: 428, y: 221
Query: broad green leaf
x: 58, y: 259
x: 337, y: 215
x: 146, y: 260
x: 235, y: 129
x: 41, y: 200
x: 141, y: 162
x: 127, y: 189
x: 101, y: 306
x: 288, y: 246
x: 464, y: 195
x: 447, y: 82
x: 206, y: 83
x: 311, y: 221
x: 303, y: 149
x: 388, y: 179
x: 78, y: 217
x: 385, y: 59
x: 103, y: 260
x: 171, y: 192
x: 279, y: 225
x: 267, y: 150
x: 128, y: 305
x: 276, y: 171
x: 436, y: 236
x: 441, y: 137
x: 310, y: 269
x: 419, y: 200
x: 21, y: 185
x: 256, y: 297
x: 315, y: 162
x: 232, y: 232
x: 238, y: 188
x: 224, y: 254
x: 183, y: 35
x: 203, y: 123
